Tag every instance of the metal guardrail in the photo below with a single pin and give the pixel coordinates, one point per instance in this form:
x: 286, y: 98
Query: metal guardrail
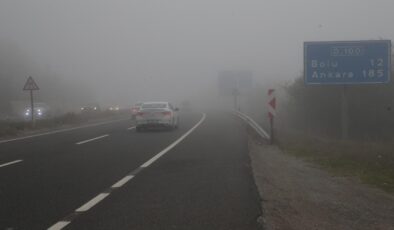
x: 253, y: 124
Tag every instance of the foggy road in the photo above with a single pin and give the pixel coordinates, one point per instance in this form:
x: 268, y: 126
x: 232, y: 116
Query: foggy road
x: 111, y: 177
x: 80, y: 81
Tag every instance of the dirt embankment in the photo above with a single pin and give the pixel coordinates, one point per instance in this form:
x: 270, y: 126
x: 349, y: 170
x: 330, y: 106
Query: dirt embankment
x: 300, y: 196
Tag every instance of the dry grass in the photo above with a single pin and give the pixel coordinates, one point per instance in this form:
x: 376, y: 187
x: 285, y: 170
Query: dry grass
x: 371, y: 162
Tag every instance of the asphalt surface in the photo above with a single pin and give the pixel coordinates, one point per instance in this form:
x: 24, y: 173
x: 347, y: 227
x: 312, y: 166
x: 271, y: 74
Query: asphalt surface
x: 114, y: 178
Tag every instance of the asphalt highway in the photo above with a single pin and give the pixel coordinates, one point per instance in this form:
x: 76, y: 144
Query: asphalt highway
x: 108, y: 176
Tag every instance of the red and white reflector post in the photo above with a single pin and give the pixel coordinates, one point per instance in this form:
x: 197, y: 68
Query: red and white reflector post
x: 271, y: 112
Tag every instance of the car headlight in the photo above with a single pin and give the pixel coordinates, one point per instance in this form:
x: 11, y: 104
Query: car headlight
x: 27, y: 114
x: 39, y: 113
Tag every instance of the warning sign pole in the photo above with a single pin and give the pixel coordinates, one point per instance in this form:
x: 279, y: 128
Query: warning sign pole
x: 33, y: 121
x: 31, y: 85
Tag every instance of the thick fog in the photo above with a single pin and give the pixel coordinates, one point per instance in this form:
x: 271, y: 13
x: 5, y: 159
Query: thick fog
x: 125, y: 51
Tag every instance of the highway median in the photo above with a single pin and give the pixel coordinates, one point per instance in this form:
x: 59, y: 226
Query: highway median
x: 13, y: 129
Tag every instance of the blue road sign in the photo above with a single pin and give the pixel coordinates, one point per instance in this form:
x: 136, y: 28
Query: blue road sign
x: 349, y: 62
x: 241, y: 81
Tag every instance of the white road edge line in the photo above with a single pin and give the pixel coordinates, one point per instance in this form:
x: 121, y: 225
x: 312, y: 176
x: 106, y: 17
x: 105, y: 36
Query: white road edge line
x: 132, y: 127
x: 123, y: 181
x: 93, y: 139
x: 59, y: 225
x: 164, y: 151
x: 92, y: 202
x: 61, y: 131
x: 10, y: 163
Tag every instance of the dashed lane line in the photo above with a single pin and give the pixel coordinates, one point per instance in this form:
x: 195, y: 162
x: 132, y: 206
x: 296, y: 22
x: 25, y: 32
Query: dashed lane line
x: 68, y: 219
x: 10, y: 163
x: 93, y: 139
x: 92, y: 202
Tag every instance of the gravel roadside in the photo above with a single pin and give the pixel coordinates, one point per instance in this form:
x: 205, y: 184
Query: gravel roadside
x: 300, y: 196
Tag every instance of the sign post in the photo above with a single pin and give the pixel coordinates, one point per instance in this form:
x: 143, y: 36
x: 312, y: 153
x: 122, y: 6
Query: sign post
x: 31, y: 85
x: 346, y: 63
x: 236, y: 103
x: 234, y: 84
x: 271, y: 112
x: 344, y: 115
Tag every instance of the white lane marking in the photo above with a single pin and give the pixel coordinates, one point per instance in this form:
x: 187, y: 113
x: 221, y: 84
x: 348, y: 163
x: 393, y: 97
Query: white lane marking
x: 62, y: 130
x: 164, y: 151
x: 59, y: 225
x: 92, y: 202
x: 123, y: 181
x: 132, y: 127
x: 10, y: 163
x: 93, y: 139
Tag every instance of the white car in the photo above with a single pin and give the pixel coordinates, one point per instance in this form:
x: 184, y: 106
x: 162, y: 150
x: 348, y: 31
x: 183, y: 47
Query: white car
x: 157, y: 114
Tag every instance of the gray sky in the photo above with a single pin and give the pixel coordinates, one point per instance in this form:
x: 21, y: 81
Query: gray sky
x: 130, y: 50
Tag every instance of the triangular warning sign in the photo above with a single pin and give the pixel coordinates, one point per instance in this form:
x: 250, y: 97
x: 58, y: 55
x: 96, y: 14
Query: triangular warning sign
x: 30, y: 84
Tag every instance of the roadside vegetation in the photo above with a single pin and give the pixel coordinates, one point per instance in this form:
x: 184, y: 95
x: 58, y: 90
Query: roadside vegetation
x: 370, y: 161
x: 309, y: 127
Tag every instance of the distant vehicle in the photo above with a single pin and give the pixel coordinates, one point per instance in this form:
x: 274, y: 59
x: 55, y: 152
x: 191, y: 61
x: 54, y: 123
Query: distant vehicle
x: 135, y: 109
x: 157, y: 114
x: 114, y: 108
x: 41, y: 111
x: 90, y: 109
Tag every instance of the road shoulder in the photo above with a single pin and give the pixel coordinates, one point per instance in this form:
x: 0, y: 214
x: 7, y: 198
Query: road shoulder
x: 300, y: 196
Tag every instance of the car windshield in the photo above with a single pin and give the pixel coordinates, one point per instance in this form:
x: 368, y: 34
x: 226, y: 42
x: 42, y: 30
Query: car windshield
x: 154, y: 106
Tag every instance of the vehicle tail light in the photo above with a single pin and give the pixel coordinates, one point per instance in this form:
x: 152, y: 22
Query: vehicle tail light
x: 166, y: 113
x: 140, y: 114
